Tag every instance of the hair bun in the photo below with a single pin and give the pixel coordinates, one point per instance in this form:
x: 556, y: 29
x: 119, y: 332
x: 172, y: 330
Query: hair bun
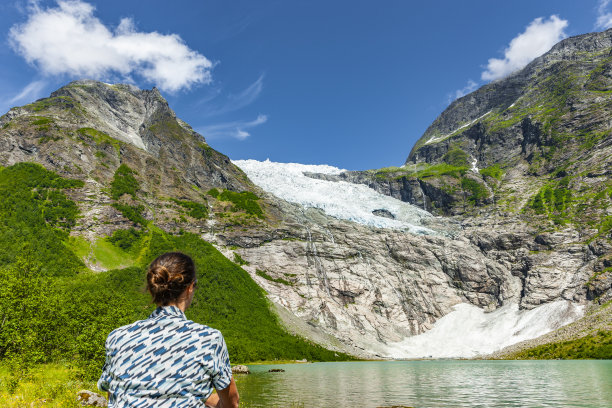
x: 168, y: 277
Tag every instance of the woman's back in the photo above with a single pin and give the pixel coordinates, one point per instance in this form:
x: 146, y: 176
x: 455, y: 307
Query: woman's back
x: 167, y: 360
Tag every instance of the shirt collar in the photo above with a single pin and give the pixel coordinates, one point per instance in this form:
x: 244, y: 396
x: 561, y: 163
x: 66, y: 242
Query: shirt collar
x: 168, y: 311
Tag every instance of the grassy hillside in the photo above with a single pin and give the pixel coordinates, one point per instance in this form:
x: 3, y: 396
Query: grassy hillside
x: 54, y: 310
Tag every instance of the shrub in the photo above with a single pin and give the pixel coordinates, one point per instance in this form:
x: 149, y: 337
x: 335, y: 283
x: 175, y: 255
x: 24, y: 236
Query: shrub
x: 124, y: 182
x: 245, y: 201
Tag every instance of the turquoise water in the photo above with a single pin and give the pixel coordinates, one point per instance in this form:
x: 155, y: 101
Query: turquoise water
x: 438, y: 383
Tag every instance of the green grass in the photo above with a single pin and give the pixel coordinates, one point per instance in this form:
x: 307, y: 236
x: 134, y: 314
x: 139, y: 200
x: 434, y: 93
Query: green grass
x: 100, y: 138
x: 456, y: 157
x: 46, y: 385
x: 60, y: 102
x: 475, y: 191
x: 596, y: 346
x: 102, y: 252
x: 265, y: 275
x: 494, y: 171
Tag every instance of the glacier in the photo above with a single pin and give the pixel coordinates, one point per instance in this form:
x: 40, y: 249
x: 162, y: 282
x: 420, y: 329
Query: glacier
x: 339, y: 199
x: 469, y: 331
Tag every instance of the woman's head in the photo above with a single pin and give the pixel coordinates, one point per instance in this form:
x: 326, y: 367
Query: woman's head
x: 169, y: 276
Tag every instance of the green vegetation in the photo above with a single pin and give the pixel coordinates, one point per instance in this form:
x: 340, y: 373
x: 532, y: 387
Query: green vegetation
x: 124, y: 182
x: 475, y: 191
x: 265, y: 275
x: 131, y: 212
x: 126, y: 239
x: 213, y: 192
x: 53, y: 310
x: 493, y: 171
x: 442, y: 169
x: 101, y: 253
x: 245, y: 201
x: 36, y: 216
x: 456, y: 157
x: 59, y: 102
x: 168, y: 126
x: 196, y: 210
x: 554, y: 201
x: 597, y: 346
x: 100, y: 138
x: 238, y: 260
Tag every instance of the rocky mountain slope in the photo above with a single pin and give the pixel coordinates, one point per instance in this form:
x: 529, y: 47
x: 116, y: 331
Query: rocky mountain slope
x: 528, y: 157
x: 522, y: 166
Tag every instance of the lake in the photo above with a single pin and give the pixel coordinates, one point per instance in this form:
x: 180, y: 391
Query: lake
x: 435, y: 383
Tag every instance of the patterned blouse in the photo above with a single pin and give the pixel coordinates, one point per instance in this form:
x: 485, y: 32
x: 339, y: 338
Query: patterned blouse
x: 164, y: 361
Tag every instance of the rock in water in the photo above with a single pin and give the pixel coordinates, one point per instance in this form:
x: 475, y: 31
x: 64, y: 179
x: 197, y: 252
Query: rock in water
x: 240, y: 369
x: 91, y: 399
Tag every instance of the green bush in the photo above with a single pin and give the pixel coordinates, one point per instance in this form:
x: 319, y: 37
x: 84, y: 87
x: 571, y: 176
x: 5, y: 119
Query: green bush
x: 475, y: 191
x: 196, y: 210
x: 245, y: 201
x: 131, y: 212
x: 126, y: 239
x: 493, y: 171
x: 213, y: 192
x: 456, y: 157
x: 53, y: 310
x: 36, y: 217
x: 124, y: 182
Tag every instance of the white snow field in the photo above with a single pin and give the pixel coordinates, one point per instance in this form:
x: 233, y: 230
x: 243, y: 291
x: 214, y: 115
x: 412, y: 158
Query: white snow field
x: 469, y: 331
x: 340, y: 199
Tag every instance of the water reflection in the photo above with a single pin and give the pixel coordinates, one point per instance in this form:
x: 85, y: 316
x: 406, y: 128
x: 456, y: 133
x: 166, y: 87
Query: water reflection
x: 440, y: 383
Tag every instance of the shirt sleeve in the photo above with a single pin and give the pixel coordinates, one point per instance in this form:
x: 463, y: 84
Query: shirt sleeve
x: 222, y: 370
x: 104, y: 381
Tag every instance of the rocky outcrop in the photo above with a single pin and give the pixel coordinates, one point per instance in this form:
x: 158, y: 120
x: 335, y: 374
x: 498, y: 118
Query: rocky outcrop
x: 90, y: 399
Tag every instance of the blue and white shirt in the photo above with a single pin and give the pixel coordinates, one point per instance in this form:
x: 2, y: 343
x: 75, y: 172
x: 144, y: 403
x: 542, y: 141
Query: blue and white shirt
x: 164, y: 361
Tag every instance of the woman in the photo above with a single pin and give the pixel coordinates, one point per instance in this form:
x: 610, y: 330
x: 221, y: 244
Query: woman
x: 167, y: 360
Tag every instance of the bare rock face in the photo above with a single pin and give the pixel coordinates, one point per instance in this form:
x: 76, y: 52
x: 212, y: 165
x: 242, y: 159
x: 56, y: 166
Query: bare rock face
x: 369, y: 287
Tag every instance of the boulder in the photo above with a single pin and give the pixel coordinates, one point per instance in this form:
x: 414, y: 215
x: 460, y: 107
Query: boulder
x: 240, y: 369
x: 91, y: 399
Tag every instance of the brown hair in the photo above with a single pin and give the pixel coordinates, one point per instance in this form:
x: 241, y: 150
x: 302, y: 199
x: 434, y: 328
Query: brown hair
x: 169, y: 276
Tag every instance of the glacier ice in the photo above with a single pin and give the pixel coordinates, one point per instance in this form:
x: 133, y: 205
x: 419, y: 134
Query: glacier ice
x: 469, y: 331
x: 339, y: 199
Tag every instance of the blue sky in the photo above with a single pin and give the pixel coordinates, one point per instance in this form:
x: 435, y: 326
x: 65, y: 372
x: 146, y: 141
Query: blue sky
x: 351, y: 83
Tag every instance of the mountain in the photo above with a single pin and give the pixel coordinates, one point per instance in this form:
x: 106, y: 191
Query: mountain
x: 525, y: 164
x: 518, y: 172
x: 95, y: 182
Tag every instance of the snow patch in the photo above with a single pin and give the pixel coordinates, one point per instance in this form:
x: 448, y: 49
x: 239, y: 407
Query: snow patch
x: 435, y: 139
x: 339, y: 199
x: 469, y: 331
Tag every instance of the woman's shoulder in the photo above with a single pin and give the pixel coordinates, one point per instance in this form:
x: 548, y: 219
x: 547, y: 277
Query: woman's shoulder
x: 202, y: 330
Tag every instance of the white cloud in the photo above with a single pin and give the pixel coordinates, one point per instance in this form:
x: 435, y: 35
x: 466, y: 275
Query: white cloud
x: 240, y: 100
x: 232, y: 129
x: 69, y: 39
x: 604, y: 17
x: 538, y: 38
x: 30, y: 92
x: 468, y: 88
